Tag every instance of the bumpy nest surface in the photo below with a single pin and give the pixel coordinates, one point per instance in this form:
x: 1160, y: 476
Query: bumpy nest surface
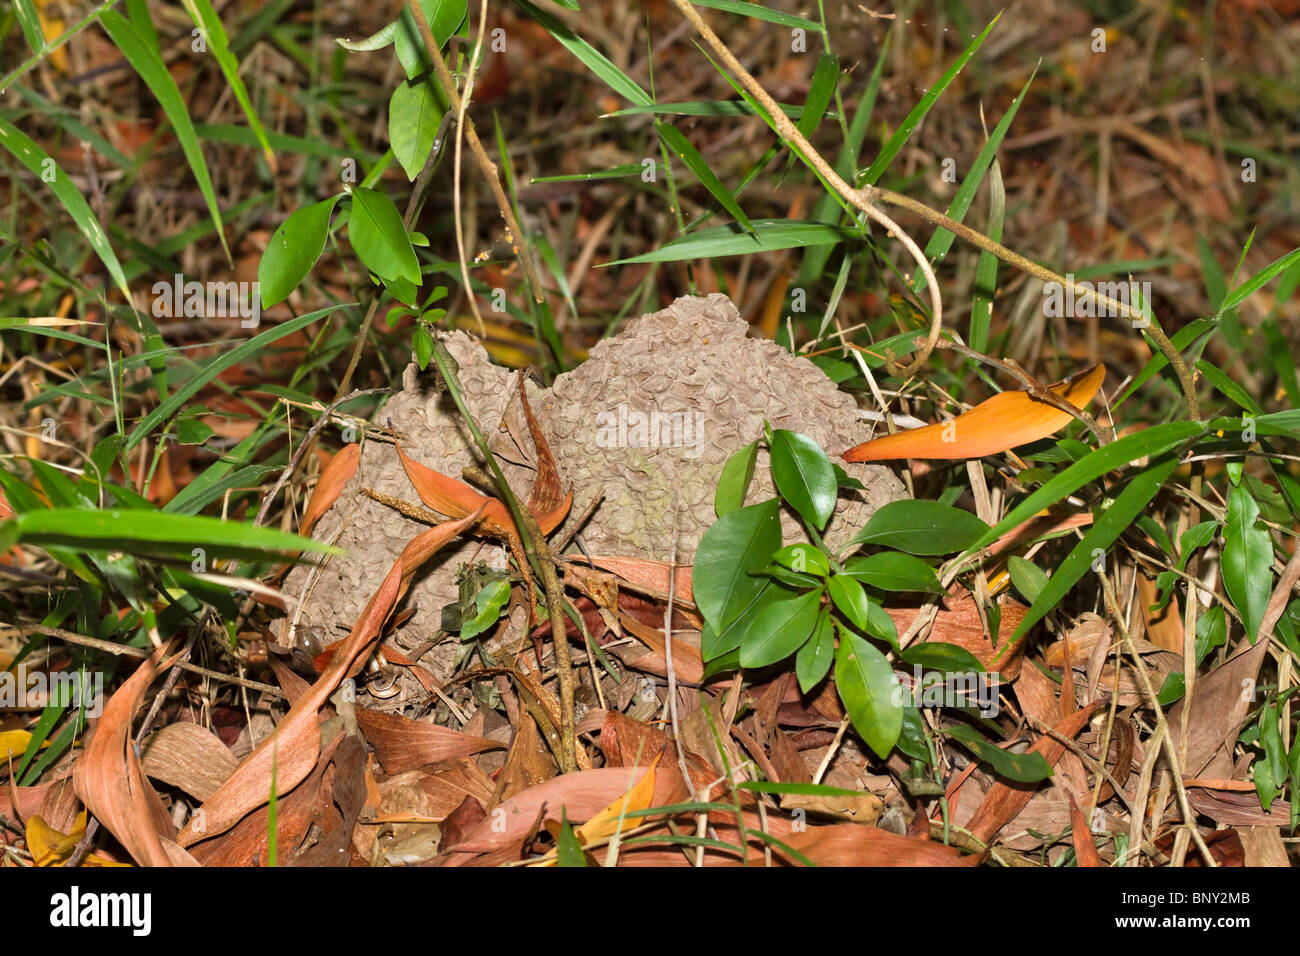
x: 648, y: 421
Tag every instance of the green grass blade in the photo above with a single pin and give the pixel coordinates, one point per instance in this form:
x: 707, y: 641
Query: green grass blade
x: 913, y: 119
x: 688, y: 154
x: 206, y: 19
x: 753, y: 10
x: 597, y: 62
x: 1109, y: 525
x: 40, y: 164
x: 218, y: 365
x: 942, y: 239
x: 1148, y: 442
x: 769, y: 235
x: 149, y: 64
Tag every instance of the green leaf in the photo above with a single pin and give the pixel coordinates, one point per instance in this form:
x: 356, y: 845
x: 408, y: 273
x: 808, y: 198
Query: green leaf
x: 568, y: 851
x: 780, y: 630
x: 813, y: 661
x: 379, y: 238
x: 445, y: 18
x: 922, y: 527
x: 489, y: 601
x: 720, y: 646
x: 734, y: 481
x: 114, y: 530
x: 986, y: 270
x: 689, y: 155
x: 1028, y: 767
x: 939, y: 656
x: 803, y: 558
x: 594, y: 60
x: 731, y: 553
x: 852, y: 601
x: 1152, y: 442
x: 39, y: 163
x: 240, y: 353
x: 1109, y: 523
x: 1028, y: 578
x: 206, y: 19
x: 1259, y: 280
x: 1247, y: 561
x: 769, y: 235
x: 293, y: 250
x: 693, y: 108
x: 414, y: 114
x: 191, y: 431
x: 913, y: 119
x: 894, y: 571
x: 745, y: 8
x: 422, y: 343
x: 804, y: 476
x: 148, y: 62
x: 31, y: 24
x: 941, y: 241
x: 870, y: 692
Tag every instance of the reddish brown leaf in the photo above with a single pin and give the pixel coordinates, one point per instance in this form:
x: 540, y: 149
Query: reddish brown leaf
x: 333, y: 477
x: 111, y: 785
x: 1085, y: 850
x: 292, y: 751
x: 404, y: 744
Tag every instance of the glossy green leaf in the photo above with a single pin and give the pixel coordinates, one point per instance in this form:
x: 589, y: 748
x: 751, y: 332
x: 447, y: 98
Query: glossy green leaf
x: 921, y: 526
x: 813, y: 661
x: 803, y: 558
x: 445, y: 18
x: 731, y: 553
x: 870, y: 692
x: 379, y: 238
x: 851, y: 600
x: 1028, y: 578
x: 733, y: 484
x: 939, y: 656
x: 804, y: 476
x: 293, y: 249
x: 594, y: 60
x: 1247, y: 561
x: 1028, y: 767
x: 894, y: 571
x: 414, y: 115
x: 780, y: 630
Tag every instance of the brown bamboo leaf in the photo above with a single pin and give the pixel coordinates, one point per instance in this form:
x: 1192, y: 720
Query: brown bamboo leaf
x: 292, y: 751
x: 109, y: 780
x: 1220, y: 702
x: 1005, y: 421
x: 333, y: 477
x: 404, y: 744
x: 582, y: 795
x: 649, y: 575
x: 1085, y: 850
x: 849, y: 844
x: 190, y: 757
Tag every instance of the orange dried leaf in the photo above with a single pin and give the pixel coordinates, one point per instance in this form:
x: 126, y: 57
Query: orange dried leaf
x: 333, y: 477
x: 1005, y: 421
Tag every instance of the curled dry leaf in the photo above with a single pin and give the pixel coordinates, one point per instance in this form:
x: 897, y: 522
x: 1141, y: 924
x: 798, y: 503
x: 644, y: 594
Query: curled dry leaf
x: 110, y: 783
x: 1005, y: 421
x: 190, y: 757
x: 292, y: 751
